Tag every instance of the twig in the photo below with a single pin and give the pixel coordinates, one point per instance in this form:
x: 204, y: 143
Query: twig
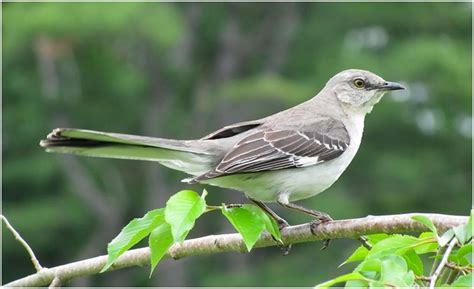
x: 56, y: 283
x: 456, y: 267
x: 352, y: 228
x: 443, y: 262
x: 423, y: 278
x: 17, y: 236
x: 436, y: 260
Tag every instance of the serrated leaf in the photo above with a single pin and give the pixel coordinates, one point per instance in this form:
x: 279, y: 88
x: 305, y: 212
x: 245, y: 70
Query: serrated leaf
x: 246, y: 222
x: 445, y: 238
x: 414, y: 262
x: 340, y: 279
x: 160, y: 241
x: 425, y: 235
x: 390, y: 245
x: 133, y: 233
x: 463, y: 281
x: 358, y: 255
x: 181, y: 211
x: 375, y: 238
x: 427, y: 222
x: 270, y: 224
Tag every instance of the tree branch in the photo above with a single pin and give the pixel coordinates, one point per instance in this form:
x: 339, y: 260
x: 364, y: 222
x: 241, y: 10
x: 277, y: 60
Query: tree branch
x: 27, y: 247
x: 351, y: 228
x: 443, y: 262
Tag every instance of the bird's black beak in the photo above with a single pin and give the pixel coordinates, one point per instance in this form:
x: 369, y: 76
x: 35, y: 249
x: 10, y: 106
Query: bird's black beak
x: 388, y: 85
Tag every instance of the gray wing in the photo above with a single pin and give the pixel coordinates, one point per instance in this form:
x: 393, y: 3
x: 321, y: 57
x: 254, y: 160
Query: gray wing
x: 270, y: 149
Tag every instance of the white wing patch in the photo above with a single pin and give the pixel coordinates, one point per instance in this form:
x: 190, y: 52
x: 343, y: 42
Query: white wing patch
x: 307, y: 161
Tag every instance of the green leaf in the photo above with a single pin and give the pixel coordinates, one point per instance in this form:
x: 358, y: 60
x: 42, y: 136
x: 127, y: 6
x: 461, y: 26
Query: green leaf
x: 270, y: 224
x: 395, y: 272
x: 455, y: 259
x: 357, y: 284
x: 425, y: 235
x: 391, y: 245
x: 463, y: 281
x: 370, y: 269
x: 460, y: 233
x: 359, y: 254
x: 181, y: 211
x: 375, y: 238
x: 377, y: 284
x: 423, y: 246
x: 426, y: 248
x: 160, y: 241
x: 340, y: 279
x: 246, y: 222
x: 427, y: 222
x: 133, y: 233
x: 445, y: 238
x: 369, y: 265
x: 465, y: 250
x: 414, y: 262
x: 469, y: 226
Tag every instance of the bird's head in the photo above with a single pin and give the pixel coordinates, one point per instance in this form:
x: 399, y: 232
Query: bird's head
x: 359, y: 90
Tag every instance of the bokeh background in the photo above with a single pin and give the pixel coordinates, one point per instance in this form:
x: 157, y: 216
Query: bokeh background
x: 182, y: 70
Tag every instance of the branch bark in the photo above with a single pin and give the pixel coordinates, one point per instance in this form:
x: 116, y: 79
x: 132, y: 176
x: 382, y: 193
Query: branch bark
x: 213, y: 244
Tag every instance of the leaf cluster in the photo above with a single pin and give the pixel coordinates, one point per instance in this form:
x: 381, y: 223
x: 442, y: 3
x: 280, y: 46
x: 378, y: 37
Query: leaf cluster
x: 397, y: 260
x: 170, y: 225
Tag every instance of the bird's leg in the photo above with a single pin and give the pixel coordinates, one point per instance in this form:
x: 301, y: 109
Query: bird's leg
x: 282, y: 223
x: 320, y: 216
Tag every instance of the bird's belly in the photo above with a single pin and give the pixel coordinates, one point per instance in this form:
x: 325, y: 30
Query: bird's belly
x: 295, y: 183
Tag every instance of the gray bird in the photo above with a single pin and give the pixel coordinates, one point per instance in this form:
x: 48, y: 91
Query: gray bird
x: 289, y: 156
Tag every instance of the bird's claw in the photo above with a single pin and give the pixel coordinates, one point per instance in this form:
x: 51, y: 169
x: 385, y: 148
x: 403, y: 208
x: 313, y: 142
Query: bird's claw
x: 321, y: 220
x: 285, y: 248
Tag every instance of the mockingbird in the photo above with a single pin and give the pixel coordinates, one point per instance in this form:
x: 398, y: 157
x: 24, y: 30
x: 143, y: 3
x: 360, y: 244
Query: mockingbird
x: 289, y: 156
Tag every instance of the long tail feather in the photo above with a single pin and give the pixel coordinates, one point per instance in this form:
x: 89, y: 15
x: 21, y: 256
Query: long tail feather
x: 181, y: 155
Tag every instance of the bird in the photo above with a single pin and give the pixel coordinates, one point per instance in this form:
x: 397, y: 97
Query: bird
x: 289, y: 156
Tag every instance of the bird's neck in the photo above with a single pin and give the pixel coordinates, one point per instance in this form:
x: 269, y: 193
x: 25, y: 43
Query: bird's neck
x: 353, y: 117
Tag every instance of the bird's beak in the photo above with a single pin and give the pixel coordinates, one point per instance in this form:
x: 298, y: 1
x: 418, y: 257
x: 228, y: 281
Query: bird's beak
x: 388, y: 85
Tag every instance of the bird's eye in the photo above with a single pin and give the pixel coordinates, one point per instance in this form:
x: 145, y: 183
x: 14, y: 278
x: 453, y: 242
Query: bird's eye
x: 358, y: 82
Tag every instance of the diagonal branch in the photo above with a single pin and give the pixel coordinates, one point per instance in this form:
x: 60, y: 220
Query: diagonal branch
x: 27, y: 247
x: 351, y: 228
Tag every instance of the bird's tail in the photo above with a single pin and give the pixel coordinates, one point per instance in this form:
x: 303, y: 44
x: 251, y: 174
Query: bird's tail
x: 191, y: 156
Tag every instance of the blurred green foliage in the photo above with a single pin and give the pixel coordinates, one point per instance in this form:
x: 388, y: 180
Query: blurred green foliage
x: 184, y: 69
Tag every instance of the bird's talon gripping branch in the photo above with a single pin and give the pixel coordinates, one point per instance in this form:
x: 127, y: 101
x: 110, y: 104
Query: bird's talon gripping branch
x: 314, y: 224
x: 326, y: 244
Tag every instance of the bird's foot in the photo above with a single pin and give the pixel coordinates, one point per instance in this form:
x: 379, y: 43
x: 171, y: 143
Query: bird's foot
x: 321, y: 219
x: 282, y: 223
